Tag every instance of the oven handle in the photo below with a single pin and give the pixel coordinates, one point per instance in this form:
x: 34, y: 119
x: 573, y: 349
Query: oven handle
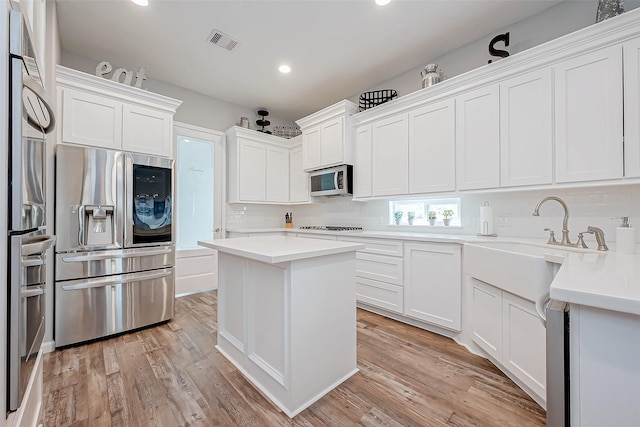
x: 99, y: 283
x: 33, y: 291
x: 38, y: 90
x: 101, y: 257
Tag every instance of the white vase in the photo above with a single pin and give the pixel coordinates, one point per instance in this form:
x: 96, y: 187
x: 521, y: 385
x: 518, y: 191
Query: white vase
x: 398, y: 221
x: 432, y: 221
x: 446, y: 221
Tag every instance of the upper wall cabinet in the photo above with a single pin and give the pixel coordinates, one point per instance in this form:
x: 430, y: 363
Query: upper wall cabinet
x: 390, y: 156
x: 588, y: 113
x: 102, y: 113
x: 478, y: 139
x: 432, y: 154
x: 326, y: 136
x: 631, y: 53
x: 526, y: 129
x: 298, y: 178
x: 362, y: 164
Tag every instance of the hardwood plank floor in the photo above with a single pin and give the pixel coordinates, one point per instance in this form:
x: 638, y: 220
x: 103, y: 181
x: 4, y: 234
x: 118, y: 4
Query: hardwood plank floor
x: 172, y: 375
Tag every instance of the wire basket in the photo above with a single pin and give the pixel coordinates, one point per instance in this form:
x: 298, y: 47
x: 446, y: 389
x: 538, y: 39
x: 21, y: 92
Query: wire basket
x: 376, y: 97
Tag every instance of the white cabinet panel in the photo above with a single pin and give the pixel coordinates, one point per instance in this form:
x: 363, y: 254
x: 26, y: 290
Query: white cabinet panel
x: 589, y: 122
x: 299, y: 179
x: 432, y: 288
x: 379, y: 294
x: 390, y: 158
x: 379, y: 267
x: 145, y: 130
x: 277, y: 174
x: 252, y: 158
x: 524, y: 339
x: 89, y: 119
x: 333, y: 142
x: 478, y: 139
x: 316, y: 236
x: 377, y: 246
x: 631, y: 53
x: 362, y: 168
x: 486, y: 318
x: 312, y: 143
x: 526, y: 129
x: 432, y: 152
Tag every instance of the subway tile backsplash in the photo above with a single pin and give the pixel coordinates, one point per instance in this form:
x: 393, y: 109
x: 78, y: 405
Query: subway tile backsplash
x: 512, y: 212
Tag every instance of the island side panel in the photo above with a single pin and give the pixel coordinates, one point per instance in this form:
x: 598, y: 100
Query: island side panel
x: 231, y: 290
x: 323, y: 326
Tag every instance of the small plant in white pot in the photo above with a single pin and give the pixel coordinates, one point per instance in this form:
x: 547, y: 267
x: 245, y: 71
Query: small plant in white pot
x: 397, y: 215
x: 432, y: 217
x: 446, y: 216
x: 410, y: 216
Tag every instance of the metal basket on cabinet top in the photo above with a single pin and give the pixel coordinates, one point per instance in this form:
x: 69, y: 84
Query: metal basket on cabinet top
x: 376, y: 97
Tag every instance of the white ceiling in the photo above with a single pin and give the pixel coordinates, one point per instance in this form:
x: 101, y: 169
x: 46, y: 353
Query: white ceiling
x: 336, y: 48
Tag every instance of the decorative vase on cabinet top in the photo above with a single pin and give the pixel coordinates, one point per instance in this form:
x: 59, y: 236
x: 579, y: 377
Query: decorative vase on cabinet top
x: 431, y: 75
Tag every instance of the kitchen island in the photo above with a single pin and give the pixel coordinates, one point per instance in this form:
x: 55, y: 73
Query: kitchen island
x: 287, y: 314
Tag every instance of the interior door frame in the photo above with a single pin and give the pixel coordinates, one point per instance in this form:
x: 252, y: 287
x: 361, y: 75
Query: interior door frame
x: 219, y: 169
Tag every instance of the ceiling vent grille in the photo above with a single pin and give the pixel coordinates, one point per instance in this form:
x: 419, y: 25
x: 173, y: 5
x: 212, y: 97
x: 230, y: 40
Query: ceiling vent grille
x: 218, y: 38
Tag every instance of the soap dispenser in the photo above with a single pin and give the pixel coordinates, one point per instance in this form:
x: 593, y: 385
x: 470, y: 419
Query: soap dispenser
x: 625, y: 237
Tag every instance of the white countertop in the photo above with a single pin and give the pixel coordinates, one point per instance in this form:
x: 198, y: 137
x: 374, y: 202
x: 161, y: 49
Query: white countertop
x: 276, y: 249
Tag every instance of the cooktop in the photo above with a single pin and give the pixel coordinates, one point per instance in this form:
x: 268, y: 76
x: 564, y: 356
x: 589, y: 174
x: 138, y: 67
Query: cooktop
x: 330, y: 228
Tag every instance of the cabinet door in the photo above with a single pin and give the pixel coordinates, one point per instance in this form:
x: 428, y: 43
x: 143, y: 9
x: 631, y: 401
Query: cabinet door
x: 526, y: 129
x: 588, y: 115
x: 379, y: 294
x: 145, y: 130
x: 277, y: 175
x: 486, y: 318
x: 312, y: 148
x: 432, y: 151
x: 299, y: 179
x: 524, y: 339
x: 252, y: 171
x: 390, y: 157
x: 432, y: 286
x: 478, y: 139
x: 91, y: 120
x: 362, y: 167
x: 333, y: 142
x: 631, y: 52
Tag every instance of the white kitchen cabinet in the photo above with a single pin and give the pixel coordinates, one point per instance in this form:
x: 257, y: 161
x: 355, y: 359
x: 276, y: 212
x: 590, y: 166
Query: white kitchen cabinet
x: 390, y: 156
x: 101, y: 113
x: 526, y: 129
x: 524, y: 343
x: 327, y: 137
x: 432, y: 284
x: 432, y: 161
x: 298, y: 178
x: 589, y: 122
x: 316, y: 236
x: 362, y: 167
x: 478, y: 138
x: 486, y: 318
x: 631, y: 54
x: 257, y: 167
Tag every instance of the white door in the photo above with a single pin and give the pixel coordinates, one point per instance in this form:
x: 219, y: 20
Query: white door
x: 199, y: 189
x: 277, y: 175
x: 390, y: 156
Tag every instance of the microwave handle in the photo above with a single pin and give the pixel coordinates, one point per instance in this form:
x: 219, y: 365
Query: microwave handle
x: 335, y: 179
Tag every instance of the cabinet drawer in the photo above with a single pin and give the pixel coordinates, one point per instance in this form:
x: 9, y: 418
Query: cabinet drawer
x: 316, y: 236
x: 379, y: 294
x: 379, y: 267
x: 377, y: 246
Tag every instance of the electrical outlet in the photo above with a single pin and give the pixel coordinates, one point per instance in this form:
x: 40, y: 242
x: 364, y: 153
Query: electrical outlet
x: 504, y: 221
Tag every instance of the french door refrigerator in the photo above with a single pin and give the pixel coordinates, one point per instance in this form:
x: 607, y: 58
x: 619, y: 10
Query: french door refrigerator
x: 115, y: 254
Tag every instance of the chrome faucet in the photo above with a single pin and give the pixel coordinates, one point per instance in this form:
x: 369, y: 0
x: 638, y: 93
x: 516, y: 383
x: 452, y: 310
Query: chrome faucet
x: 599, y: 234
x: 565, y: 232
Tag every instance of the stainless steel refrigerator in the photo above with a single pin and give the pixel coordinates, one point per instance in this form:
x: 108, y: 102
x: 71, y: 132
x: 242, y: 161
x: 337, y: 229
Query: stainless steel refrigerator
x: 30, y: 119
x: 115, y: 254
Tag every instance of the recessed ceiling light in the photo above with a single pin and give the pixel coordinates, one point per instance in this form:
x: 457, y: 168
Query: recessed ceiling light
x: 284, y: 69
x: 382, y: 2
x: 144, y: 2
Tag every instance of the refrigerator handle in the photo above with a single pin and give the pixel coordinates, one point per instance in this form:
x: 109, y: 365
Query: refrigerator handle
x: 99, y: 283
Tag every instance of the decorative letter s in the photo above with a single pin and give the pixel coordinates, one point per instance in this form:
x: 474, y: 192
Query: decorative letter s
x: 496, y: 52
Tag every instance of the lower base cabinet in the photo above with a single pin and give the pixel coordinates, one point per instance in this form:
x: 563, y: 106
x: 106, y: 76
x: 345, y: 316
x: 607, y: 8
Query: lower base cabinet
x: 432, y: 284
x: 508, y: 328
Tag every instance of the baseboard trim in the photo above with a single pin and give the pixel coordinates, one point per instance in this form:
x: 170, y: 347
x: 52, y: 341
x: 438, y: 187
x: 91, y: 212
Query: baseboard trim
x: 48, y: 347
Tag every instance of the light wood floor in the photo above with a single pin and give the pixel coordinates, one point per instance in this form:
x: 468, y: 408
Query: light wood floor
x: 171, y: 375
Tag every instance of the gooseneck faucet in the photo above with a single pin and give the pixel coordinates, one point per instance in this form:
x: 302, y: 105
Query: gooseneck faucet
x: 565, y: 232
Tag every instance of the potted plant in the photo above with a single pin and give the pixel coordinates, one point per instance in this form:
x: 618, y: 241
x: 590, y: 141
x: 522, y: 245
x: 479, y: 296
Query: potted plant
x: 432, y: 217
x: 410, y: 216
x: 398, y: 216
x: 446, y: 216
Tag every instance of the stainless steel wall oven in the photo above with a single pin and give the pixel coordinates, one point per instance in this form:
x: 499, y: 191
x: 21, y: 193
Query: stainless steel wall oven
x: 30, y: 118
x: 115, y: 255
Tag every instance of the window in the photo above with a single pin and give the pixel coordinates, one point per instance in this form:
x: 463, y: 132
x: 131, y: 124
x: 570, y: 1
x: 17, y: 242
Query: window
x: 417, y: 212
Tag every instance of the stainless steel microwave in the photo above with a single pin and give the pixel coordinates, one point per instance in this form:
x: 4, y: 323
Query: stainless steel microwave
x: 335, y: 181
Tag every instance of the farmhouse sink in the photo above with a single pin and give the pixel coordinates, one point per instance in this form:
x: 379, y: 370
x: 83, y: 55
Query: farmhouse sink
x: 518, y: 268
